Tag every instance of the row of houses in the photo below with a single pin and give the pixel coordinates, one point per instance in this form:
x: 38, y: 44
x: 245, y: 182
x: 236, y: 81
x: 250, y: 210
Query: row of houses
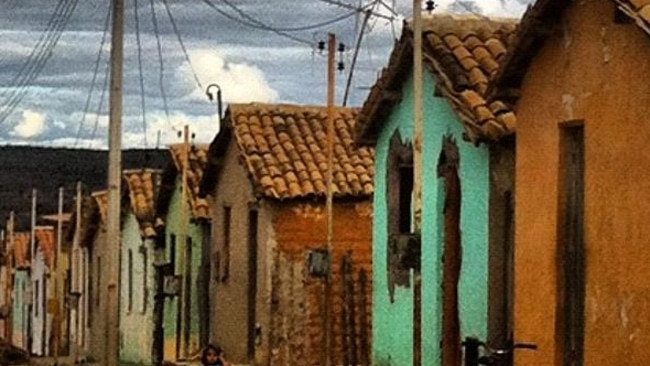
x: 532, y: 232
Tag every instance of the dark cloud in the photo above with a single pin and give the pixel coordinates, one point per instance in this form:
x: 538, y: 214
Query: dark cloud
x: 244, y: 58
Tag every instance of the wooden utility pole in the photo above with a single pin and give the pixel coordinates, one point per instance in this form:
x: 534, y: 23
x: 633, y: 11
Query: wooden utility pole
x: 56, y: 316
x: 113, y: 237
x: 182, y: 340
x: 417, y: 172
x: 331, y: 52
x: 10, y: 270
x: 75, y: 265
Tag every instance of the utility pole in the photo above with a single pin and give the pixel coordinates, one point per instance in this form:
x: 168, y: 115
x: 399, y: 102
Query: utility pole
x: 75, y: 264
x: 417, y: 172
x: 331, y: 49
x: 113, y: 237
x: 183, y: 303
x: 10, y: 270
x: 56, y: 317
x: 357, y: 47
x: 32, y: 252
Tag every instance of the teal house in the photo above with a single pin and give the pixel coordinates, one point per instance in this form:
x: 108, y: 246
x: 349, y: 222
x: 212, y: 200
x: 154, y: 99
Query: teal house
x: 451, y: 278
x: 20, y: 314
x: 137, y: 270
x: 181, y: 316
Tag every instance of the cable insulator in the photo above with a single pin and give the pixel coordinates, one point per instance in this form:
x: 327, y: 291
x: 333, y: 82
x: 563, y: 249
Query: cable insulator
x: 340, y: 66
x: 341, y: 47
x: 431, y: 6
x: 321, y: 46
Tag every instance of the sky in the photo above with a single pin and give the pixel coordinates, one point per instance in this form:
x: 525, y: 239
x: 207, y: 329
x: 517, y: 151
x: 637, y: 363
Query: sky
x: 53, y: 63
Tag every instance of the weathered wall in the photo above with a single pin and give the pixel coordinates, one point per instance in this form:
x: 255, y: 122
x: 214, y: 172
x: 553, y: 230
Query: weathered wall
x: 20, y: 312
x: 229, y: 282
x: 41, y: 320
x: 136, y: 322
x: 97, y: 285
x: 392, y: 321
x: 298, y: 300
x: 174, y: 226
x: 593, y: 70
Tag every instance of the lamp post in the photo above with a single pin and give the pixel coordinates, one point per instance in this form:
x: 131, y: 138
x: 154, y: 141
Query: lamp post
x: 211, y: 96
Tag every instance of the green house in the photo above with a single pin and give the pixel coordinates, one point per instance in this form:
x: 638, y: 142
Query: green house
x: 181, y: 315
x: 137, y: 269
x: 459, y: 254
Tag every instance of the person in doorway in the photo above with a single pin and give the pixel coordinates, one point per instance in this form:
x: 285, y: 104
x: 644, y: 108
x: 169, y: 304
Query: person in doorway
x: 213, y: 356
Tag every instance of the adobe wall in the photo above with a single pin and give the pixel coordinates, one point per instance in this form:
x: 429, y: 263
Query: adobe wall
x: 592, y: 70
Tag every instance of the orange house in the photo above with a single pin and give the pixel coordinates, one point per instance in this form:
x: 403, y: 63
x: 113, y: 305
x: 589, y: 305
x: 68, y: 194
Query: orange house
x: 578, y: 76
x: 265, y: 182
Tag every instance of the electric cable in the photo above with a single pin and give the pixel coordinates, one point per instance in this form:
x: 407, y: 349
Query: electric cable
x: 161, y: 65
x: 44, y: 55
x: 264, y: 26
x: 252, y: 25
x: 95, y: 72
x: 180, y: 41
x: 101, y: 101
x: 141, y: 78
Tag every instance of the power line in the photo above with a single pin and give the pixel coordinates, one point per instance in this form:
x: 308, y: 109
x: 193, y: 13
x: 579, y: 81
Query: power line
x: 101, y: 101
x: 261, y: 25
x: 161, y: 64
x: 46, y: 33
x: 142, y: 96
x: 180, y: 41
x: 253, y: 25
x: 357, y: 9
x: 95, y: 72
x: 44, y: 55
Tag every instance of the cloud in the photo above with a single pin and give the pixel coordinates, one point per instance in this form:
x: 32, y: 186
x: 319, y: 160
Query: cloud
x: 239, y: 82
x: 31, y: 125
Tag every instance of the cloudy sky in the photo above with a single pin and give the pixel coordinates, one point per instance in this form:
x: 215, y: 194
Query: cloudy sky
x: 53, y: 64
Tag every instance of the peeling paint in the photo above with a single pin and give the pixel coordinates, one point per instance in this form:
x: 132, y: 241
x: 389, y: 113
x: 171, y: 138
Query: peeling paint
x: 568, y: 101
x: 607, y: 52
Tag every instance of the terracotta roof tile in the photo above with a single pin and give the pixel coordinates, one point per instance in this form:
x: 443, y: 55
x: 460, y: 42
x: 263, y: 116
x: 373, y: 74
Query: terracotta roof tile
x: 142, y: 185
x: 198, y: 158
x: 463, y: 53
x: 532, y: 31
x: 46, y: 243
x: 101, y: 200
x: 294, y: 141
x: 20, y: 249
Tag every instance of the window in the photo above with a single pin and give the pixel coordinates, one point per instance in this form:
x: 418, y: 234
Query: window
x: 172, y: 252
x: 571, y: 241
x: 405, y: 198
x: 227, y: 217
x: 252, y: 279
x: 37, y: 293
x: 145, y: 273
x: 99, y: 282
x: 129, y: 285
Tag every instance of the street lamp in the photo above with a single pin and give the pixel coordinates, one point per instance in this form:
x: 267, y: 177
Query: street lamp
x: 211, y: 95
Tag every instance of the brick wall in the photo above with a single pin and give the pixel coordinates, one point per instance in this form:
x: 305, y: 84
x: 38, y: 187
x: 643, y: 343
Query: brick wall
x: 297, y: 301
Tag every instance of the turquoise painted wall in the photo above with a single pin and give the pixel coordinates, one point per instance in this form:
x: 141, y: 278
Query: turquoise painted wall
x: 392, y: 322
x: 136, y: 321
x: 174, y: 227
x: 20, y: 312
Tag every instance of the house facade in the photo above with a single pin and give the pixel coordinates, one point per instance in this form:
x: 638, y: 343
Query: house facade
x: 137, y: 270
x: 42, y: 294
x: 181, y: 323
x: 97, y: 251
x: 578, y: 77
x: 266, y: 186
x: 433, y: 289
x: 21, y: 292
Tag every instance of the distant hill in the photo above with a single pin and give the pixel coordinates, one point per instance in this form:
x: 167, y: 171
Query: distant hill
x: 24, y: 167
